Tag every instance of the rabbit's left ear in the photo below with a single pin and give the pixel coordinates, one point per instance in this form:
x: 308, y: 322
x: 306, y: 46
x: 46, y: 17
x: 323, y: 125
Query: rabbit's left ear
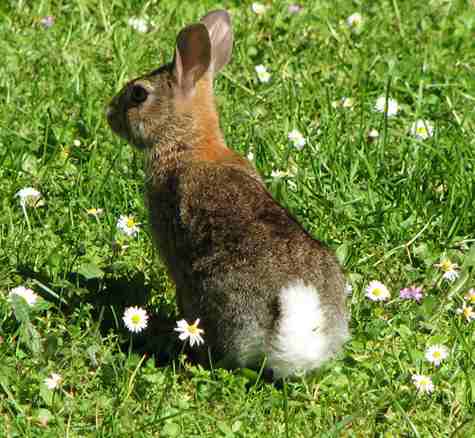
x: 220, y: 31
x: 192, y: 56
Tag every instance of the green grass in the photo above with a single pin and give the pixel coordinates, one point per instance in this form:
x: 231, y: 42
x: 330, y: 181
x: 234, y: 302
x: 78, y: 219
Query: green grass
x: 391, y: 208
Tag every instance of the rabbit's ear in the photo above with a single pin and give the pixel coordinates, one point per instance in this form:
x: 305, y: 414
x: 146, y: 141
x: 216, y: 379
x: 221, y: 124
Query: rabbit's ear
x: 192, y: 56
x: 220, y: 31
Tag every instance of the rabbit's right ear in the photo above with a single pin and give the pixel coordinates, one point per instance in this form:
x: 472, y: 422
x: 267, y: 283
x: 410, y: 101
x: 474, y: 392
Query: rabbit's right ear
x: 192, y: 56
x: 220, y: 31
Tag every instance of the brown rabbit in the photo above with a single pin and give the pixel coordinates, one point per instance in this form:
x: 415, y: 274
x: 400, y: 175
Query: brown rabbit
x: 262, y: 286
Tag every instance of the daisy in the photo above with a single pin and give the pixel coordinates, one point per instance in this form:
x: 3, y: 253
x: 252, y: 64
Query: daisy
x: 53, y: 381
x: 355, y: 21
x: 250, y: 156
x: 47, y: 21
x: 467, y: 312
x: 262, y: 74
x: 377, y: 291
x: 297, y: 139
x: 423, y: 383
x: 190, y: 331
x: 138, y: 24
x: 391, y: 109
x: 348, y: 289
x: 294, y: 8
x: 77, y: 143
x: 258, y: 8
x: 127, y: 225
x: 96, y: 212
x: 373, y: 135
x: 470, y: 296
x: 27, y: 294
x: 422, y: 129
x: 449, y: 269
x: 135, y: 319
x: 436, y: 354
x: 29, y: 197
x: 411, y: 293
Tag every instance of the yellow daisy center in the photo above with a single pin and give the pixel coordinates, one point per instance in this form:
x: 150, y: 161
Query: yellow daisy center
x: 377, y: 292
x: 130, y: 222
x: 193, y: 329
x: 421, y: 130
x: 436, y: 354
x: 446, y: 266
x: 135, y: 319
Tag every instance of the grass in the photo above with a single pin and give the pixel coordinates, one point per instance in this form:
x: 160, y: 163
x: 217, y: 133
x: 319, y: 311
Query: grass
x: 392, y: 208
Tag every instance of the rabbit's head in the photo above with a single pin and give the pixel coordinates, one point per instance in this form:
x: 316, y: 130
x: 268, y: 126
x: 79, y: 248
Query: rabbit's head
x: 174, y: 104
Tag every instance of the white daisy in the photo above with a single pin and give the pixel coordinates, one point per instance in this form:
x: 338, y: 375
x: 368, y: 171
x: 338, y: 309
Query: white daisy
x: 27, y: 294
x: 449, y: 269
x: 422, y: 129
x: 377, y: 291
x: 470, y: 296
x: 258, y: 8
x: 423, y: 383
x: 355, y: 21
x: 391, y: 109
x: 96, y: 212
x: 190, y: 331
x: 297, y: 139
x: 250, y: 156
x: 29, y: 197
x: 138, y: 24
x: 262, y: 74
x: 348, y: 289
x: 135, y: 319
x: 467, y: 312
x: 127, y: 225
x: 77, y: 143
x: 53, y: 381
x: 436, y: 354
x: 373, y: 135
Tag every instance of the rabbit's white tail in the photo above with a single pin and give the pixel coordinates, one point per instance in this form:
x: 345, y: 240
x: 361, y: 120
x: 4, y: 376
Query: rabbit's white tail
x: 304, y: 339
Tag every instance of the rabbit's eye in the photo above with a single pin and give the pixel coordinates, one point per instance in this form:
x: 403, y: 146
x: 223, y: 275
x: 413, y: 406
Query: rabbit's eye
x: 138, y: 94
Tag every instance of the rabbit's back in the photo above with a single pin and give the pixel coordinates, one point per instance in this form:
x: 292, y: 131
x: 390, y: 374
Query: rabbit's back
x: 245, y: 267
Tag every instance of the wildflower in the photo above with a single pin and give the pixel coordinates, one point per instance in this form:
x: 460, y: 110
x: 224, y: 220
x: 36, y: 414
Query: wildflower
x: 47, y: 21
x: 96, y: 212
x: 77, y: 143
x: 138, y: 24
x: 190, y: 331
x: 135, y: 319
x: 27, y: 294
x: 297, y: 139
x: 373, y: 135
x: 344, y: 102
x: 377, y: 291
x: 355, y: 22
x: 294, y: 8
x: 250, y: 156
x: 29, y: 197
x: 391, y: 108
x: 470, y: 296
x: 423, y: 383
x: 449, y: 269
x: 258, y: 8
x: 348, y: 289
x: 411, y: 293
x: 467, y: 312
x: 53, y: 381
x: 422, y: 129
x: 436, y: 354
x: 127, y: 225
x: 262, y: 73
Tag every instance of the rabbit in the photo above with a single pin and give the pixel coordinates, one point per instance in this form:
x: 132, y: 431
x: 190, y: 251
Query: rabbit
x: 264, y: 289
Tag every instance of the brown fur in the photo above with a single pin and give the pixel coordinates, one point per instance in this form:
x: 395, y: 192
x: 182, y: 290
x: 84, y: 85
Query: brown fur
x: 228, y: 246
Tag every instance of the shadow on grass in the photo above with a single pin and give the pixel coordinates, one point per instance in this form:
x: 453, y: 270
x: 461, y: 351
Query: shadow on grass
x: 109, y: 297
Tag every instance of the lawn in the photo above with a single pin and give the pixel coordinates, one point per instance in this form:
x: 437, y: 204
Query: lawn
x: 380, y: 165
